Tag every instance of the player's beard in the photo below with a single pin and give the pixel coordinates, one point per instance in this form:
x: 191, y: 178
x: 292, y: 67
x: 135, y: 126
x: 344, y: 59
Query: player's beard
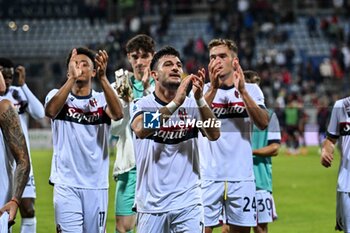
x: 172, y: 86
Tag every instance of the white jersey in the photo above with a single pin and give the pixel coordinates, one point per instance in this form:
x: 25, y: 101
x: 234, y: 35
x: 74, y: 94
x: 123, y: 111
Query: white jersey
x: 80, y: 142
x: 339, y: 126
x: 25, y: 102
x: 230, y: 157
x: 167, y: 162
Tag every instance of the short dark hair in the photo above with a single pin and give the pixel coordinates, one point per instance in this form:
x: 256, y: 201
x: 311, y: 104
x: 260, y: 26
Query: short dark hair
x: 249, y: 77
x: 86, y: 51
x: 229, y: 43
x: 6, y: 63
x: 167, y: 50
x: 140, y: 42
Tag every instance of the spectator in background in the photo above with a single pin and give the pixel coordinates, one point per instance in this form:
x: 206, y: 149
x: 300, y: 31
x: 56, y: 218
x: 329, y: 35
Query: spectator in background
x: 311, y: 24
x: 26, y: 103
x: 292, y: 116
x: 323, y: 114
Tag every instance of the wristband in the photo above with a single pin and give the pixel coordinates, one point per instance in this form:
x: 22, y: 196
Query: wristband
x: 201, y: 102
x: 171, y: 107
x: 15, y: 201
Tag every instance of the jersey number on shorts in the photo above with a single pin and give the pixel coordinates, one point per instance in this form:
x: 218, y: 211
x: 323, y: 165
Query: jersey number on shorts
x: 102, y: 216
x: 268, y: 204
x: 249, y: 204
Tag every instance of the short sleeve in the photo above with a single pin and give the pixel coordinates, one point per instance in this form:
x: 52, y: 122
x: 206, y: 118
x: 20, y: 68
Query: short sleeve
x: 274, y: 131
x: 333, y: 126
x: 50, y: 95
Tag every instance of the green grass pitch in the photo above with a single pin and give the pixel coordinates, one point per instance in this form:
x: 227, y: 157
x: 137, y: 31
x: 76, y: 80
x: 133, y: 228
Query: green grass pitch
x: 304, y: 193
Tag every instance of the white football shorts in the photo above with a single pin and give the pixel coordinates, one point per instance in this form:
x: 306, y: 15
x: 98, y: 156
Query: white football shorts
x: 236, y: 200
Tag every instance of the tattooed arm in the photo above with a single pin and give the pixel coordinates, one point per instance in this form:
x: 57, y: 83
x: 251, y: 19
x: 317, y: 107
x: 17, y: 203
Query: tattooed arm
x: 14, y: 139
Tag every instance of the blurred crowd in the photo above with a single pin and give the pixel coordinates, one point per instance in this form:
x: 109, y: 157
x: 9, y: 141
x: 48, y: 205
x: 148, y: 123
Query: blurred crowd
x: 300, y: 90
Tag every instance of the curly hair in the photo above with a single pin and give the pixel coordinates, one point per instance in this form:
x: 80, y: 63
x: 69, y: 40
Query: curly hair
x: 6, y: 63
x: 140, y: 42
x: 86, y: 51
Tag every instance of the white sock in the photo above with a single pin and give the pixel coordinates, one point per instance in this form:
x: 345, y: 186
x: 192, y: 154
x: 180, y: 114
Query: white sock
x: 28, y: 225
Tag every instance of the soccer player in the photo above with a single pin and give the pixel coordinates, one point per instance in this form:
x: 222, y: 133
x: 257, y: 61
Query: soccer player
x: 339, y: 128
x: 13, y: 148
x: 265, y: 144
x: 168, y: 195
x: 80, y: 121
x: 227, y: 164
x: 26, y: 103
x: 140, y: 50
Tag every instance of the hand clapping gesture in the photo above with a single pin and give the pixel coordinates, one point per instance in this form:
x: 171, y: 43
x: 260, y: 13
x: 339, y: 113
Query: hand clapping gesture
x: 101, y: 61
x: 198, y: 83
x: 238, y: 76
x: 74, y: 68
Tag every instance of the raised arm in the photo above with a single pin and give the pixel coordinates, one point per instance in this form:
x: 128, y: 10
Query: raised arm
x: 56, y: 103
x: 14, y: 139
x: 114, y: 107
x: 35, y: 107
x: 213, y: 69
x: 259, y: 116
x: 212, y: 132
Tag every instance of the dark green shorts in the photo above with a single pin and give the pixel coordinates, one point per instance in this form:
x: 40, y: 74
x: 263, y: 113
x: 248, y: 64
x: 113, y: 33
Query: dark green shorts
x: 125, y: 193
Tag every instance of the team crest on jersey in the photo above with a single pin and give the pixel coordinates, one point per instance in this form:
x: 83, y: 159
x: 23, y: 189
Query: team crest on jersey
x: 182, y: 114
x: 93, y: 102
x: 15, y: 95
x: 71, y: 98
x: 237, y: 94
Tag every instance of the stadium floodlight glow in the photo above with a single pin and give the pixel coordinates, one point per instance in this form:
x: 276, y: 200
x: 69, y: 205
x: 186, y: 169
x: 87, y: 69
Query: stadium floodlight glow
x: 12, y: 25
x: 25, y: 27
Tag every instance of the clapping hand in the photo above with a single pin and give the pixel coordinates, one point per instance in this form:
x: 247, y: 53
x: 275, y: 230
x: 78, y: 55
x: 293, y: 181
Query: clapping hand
x: 198, y: 83
x: 101, y: 60
x: 74, y: 70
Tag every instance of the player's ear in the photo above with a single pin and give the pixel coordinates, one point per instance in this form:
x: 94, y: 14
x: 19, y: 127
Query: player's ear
x: 94, y: 73
x: 234, y: 61
x: 154, y: 74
